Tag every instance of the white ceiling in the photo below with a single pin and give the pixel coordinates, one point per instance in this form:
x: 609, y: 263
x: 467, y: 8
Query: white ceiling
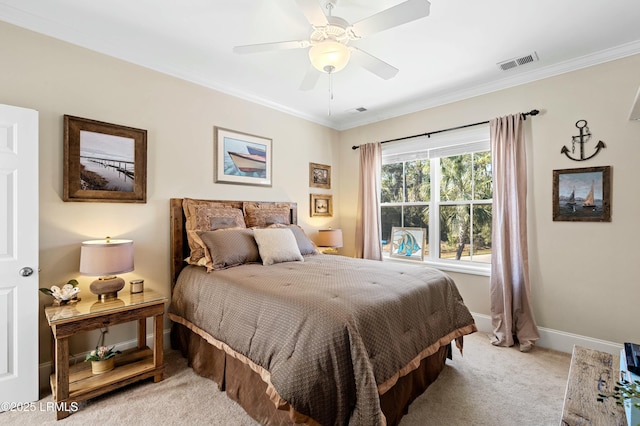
x: 450, y: 55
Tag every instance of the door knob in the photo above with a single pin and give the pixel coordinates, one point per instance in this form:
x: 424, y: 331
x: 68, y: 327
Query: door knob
x: 26, y: 272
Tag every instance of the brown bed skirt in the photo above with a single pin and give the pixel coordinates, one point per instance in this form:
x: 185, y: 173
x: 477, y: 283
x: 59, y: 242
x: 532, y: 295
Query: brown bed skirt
x: 246, y: 387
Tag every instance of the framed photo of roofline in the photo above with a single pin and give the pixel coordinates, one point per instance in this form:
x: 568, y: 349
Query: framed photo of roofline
x: 104, y: 162
x: 241, y: 158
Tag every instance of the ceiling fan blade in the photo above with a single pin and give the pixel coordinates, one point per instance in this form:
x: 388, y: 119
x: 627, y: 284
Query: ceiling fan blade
x: 400, y: 14
x: 373, y: 64
x: 313, y: 12
x: 310, y: 79
x: 268, y: 47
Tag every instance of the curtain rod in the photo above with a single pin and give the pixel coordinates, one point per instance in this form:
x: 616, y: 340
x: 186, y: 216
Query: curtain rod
x: 533, y: 112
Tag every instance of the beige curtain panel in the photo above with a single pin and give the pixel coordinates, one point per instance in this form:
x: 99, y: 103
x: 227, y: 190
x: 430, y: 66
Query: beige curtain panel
x: 368, y: 227
x: 511, y: 312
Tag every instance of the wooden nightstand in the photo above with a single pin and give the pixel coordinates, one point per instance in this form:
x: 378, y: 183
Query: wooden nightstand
x: 78, y: 383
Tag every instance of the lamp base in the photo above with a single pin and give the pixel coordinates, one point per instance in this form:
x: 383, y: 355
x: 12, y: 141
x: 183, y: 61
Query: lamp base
x: 107, y: 288
x: 328, y: 250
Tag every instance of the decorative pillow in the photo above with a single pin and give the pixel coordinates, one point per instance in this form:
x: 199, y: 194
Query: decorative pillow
x: 189, y: 206
x: 305, y: 245
x: 212, y: 218
x: 277, y: 245
x: 218, y: 222
x: 202, y: 215
x: 230, y: 247
x: 265, y: 214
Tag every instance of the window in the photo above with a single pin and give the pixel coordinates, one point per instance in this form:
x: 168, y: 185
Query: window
x: 444, y: 185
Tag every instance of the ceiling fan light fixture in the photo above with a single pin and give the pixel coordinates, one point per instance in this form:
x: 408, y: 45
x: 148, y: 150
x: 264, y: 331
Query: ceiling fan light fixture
x: 329, y: 56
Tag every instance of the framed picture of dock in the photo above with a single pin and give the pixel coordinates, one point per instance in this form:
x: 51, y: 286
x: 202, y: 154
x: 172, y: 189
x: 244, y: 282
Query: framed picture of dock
x: 104, y: 162
x: 582, y: 195
x: 241, y: 158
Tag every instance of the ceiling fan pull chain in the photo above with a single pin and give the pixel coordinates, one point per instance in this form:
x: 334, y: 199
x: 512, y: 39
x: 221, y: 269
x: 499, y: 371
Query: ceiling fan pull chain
x: 330, y: 92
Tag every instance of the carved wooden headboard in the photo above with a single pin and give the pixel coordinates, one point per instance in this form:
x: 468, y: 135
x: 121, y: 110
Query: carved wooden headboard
x: 179, y: 245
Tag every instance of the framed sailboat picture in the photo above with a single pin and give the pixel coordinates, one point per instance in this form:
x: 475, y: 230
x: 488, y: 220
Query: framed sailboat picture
x: 582, y: 195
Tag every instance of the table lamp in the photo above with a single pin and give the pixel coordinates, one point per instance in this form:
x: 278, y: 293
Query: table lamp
x: 105, y: 258
x: 329, y: 240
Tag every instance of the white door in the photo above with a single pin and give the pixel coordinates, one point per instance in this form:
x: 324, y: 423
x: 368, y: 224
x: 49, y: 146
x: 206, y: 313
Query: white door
x: 18, y: 256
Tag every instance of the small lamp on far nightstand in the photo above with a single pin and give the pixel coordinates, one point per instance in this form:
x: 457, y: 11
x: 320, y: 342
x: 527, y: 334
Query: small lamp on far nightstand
x: 329, y: 240
x: 105, y: 258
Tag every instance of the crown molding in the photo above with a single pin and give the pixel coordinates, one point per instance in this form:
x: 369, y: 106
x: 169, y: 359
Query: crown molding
x: 54, y: 29
x: 603, y: 56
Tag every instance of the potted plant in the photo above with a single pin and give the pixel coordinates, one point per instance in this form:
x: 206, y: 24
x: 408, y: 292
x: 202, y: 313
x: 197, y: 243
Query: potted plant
x: 627, y: 394
x: 102, y: 359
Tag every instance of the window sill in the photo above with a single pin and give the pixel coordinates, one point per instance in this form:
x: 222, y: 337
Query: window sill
x: 483, y: 269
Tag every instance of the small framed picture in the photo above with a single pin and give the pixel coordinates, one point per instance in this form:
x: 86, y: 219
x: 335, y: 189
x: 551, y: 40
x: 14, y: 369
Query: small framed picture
x: 242, y: 158
x: 582, y: 195
x: 319, y: 176
x: 321, y: 205
x: 104, y: 162
x: 407, y: 243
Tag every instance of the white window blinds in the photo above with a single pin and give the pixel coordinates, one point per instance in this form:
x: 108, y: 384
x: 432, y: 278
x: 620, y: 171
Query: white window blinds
x: 446, y: 144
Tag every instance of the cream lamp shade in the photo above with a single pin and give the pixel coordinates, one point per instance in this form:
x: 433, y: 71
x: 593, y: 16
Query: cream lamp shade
x: 105, y: 258
x: 329, y: 56
x: 330, y: 238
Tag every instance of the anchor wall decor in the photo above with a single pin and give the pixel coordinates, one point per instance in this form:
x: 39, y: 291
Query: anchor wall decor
x: 582, y: 138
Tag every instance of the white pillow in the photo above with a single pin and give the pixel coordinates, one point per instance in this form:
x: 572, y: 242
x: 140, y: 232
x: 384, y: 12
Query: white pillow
x: 277, y: 245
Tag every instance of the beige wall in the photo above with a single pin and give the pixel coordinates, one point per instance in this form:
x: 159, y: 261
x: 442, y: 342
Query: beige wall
x: 57, y: 78
x: 584, y: 276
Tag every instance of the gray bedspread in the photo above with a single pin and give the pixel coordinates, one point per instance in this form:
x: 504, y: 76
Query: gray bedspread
x: 331, y: 331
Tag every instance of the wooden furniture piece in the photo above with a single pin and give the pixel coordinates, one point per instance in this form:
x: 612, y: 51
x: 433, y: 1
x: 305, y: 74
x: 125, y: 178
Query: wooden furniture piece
x: 180, y: 247
x: 591, y: 372
x: 77, y: 383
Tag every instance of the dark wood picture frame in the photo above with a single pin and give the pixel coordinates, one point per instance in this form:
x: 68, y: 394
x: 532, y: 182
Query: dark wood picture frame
x: 582, y: 195
x: 319, y: 176
x: 241, y: 158
x: 104, y: 162
x: 321, y: 205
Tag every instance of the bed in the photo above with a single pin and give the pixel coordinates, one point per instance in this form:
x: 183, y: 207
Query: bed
x: 299, y: 337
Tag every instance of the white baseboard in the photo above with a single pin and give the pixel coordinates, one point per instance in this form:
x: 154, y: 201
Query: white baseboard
x: 557, y: 340
x: 549, y: 338
x: 46, y: 368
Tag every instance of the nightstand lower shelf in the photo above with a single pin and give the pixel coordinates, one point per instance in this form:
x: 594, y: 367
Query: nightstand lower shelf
x: 131, y: 365
x: 77, y: 383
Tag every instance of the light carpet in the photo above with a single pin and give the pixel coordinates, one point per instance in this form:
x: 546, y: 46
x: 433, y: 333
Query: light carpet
x: 487, y: 386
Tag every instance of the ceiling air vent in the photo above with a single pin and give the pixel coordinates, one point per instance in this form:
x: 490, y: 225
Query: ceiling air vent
x: 517, y: 62
x: 357, y: 110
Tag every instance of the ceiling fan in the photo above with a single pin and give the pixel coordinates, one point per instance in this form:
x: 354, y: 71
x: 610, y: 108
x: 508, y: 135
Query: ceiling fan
x: 328, y: 43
